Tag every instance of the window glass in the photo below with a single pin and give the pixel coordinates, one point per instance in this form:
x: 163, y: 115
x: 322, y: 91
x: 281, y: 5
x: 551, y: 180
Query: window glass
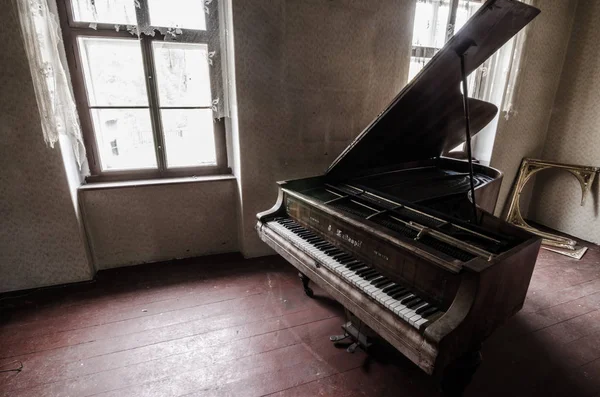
x: 431, y: 19
x: 114, y: 71
x: 430, y: 28
x: 124, y: 138
x: 182, y: 74
x: 104, y: 11
x: 187, y: 14
x: 189, y: 137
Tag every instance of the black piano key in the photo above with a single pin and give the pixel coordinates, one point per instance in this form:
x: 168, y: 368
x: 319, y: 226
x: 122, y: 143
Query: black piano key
x: 357, y: 269
x: 395, y: 290
x: 423, y: 308
x: 414, y: 303
x: 371, y: 277
x: 409, y: 299
x: 363, y: 271
x: 353, y: 267
x: 378, y: 280
x: 366, y: 273
x: 429, y: 312
x: 325, y: 246
x: 353, y: 264
x: 390, y: 287
x: 384, y: 284
x: 379, y: 277
x: 401, y: 294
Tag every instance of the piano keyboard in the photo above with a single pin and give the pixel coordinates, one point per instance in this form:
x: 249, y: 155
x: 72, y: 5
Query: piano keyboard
x: 395, y: 297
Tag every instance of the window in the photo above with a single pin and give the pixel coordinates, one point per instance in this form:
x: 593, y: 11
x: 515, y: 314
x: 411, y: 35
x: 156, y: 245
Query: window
x: 435, y: 23
x: 147, y: 80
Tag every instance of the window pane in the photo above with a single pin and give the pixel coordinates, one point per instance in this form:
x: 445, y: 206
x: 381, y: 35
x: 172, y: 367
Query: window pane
x: 182, y: 74
x: 431, y: 19
x: 124, y: 138
x: 187, y: 14
x: 114, y: 72
x: 104, y: 11
x: 189, y: 137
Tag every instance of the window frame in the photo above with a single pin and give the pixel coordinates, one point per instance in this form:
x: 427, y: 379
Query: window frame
x: 71, y: 30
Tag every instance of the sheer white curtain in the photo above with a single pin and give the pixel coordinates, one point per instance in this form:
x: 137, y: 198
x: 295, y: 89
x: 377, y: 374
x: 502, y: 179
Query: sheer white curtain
x: 42, y: 39
x: 514, y: 69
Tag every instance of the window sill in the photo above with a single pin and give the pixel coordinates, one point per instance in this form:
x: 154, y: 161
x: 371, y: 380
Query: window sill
x: 155, y: 182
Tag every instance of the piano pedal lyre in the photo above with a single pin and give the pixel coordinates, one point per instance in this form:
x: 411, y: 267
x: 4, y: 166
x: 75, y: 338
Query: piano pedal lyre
x: 305, y: 280
x: 353, y: 336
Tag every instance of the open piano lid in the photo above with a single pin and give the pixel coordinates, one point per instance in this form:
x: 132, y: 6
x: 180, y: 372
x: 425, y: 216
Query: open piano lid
x: 427, y: 118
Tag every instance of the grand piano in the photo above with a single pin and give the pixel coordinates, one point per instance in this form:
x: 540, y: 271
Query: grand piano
x: 403, y: 237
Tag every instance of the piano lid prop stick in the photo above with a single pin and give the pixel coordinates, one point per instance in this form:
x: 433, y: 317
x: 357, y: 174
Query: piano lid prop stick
x: 468, y: 133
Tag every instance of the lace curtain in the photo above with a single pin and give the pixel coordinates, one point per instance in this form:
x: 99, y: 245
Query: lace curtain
x: 43, y: 43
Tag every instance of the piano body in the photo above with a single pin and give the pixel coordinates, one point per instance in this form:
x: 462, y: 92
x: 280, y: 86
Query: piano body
x: 389, y: 230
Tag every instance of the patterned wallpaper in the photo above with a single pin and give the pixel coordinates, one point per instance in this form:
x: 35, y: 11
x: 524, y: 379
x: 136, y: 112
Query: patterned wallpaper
x: 524, y: 134
x: 40, y: 242
x: 574, y: 134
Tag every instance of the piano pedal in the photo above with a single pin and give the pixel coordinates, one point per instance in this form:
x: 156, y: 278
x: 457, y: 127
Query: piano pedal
x: 352, y: 347
x: 339, y: 338
x: 305, y: 280
x: 357, y: 337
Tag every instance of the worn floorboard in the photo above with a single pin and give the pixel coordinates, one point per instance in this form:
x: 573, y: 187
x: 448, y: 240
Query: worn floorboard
x: 223, y: 326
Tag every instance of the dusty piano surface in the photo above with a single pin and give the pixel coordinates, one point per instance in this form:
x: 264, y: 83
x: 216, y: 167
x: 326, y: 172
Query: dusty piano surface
x: 389, y: 229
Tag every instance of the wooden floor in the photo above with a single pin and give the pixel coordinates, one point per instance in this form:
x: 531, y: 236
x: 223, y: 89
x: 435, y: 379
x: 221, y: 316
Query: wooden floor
x: 222, y: 326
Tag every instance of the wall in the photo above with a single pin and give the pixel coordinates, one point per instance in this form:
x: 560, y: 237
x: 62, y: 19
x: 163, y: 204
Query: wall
x: 310, y: 76
x: 149, y: 223
x: 524, y: 133
x: 40, y: 239
x: 574, y: 134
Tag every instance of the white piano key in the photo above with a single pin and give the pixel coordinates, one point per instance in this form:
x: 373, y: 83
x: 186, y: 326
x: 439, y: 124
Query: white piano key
x: 414, y: 318
x: 412, y: 311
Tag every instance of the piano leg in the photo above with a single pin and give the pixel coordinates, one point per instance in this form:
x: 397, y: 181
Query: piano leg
x: 458, y: 375
x: 305, y: 280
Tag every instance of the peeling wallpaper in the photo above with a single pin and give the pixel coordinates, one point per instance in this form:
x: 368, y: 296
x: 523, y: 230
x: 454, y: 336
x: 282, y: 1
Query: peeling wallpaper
x: 40, y: 240
x: 524, y: 134
x: 574, y: 134
x: 310, y: 76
